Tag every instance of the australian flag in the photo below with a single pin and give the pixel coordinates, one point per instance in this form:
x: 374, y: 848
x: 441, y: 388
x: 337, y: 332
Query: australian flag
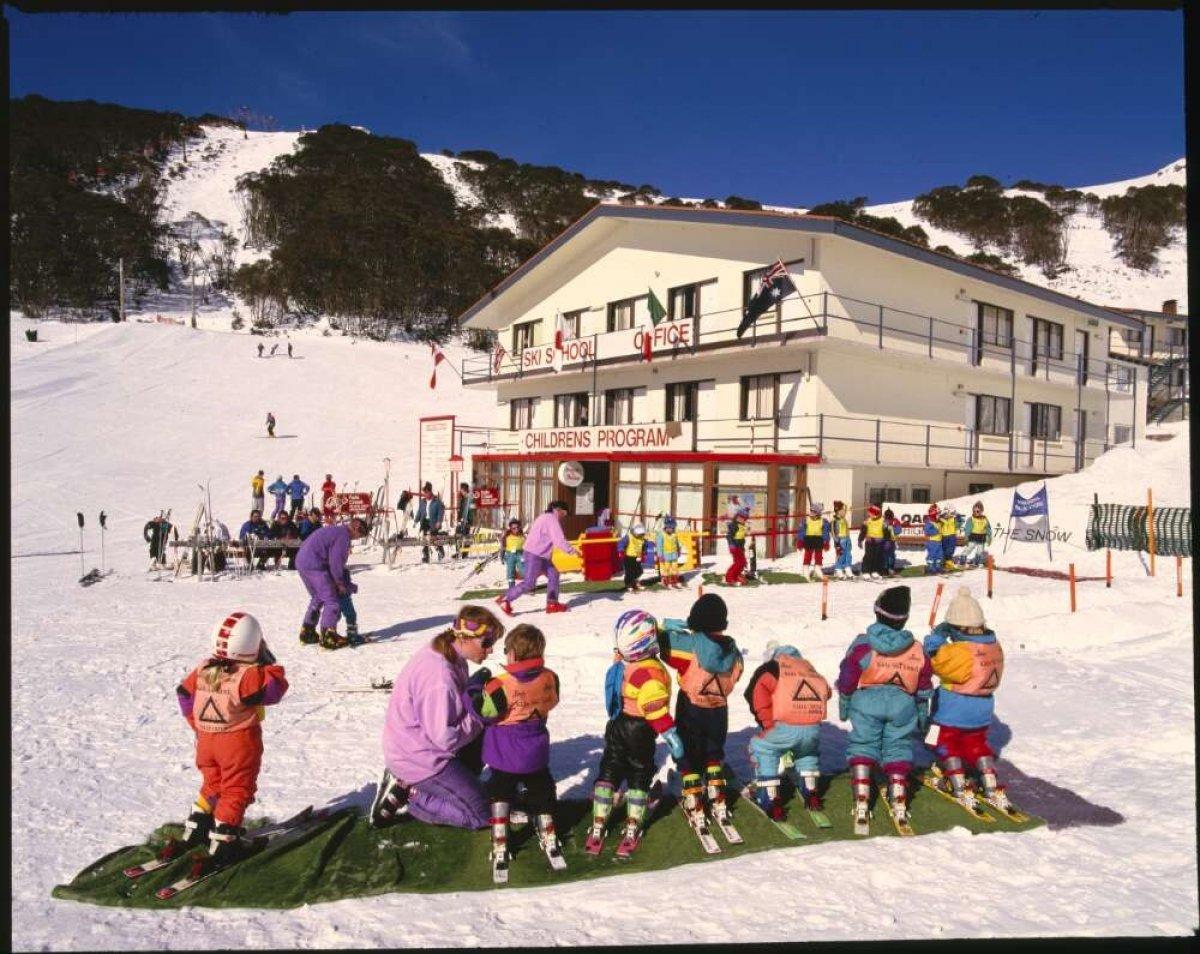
x: 776, y: 285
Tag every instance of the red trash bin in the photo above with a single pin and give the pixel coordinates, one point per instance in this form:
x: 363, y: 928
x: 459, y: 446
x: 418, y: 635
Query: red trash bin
x: 600, y: 560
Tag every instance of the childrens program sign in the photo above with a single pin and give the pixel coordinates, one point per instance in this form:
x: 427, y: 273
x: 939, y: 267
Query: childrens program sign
x: 674, y: 435
x: 349, y: 505
x: 665, y: 337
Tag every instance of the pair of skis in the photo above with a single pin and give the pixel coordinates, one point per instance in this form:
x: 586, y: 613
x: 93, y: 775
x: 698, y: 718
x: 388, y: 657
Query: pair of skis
x: 548, y: 843
x: 202, y: 869
x: 979, y: 806
x: 722, y: 820
x: 792, y: 830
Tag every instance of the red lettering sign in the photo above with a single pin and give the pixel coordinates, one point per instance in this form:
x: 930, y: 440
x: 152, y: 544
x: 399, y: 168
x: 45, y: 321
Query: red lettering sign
x: 349, y: 505
x: 486, y: 496
x: 666, y: 336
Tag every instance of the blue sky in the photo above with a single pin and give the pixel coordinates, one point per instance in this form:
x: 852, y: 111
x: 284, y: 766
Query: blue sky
x: 789, y: 108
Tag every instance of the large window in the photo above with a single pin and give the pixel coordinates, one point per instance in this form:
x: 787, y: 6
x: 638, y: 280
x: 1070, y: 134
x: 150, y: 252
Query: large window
x: 878, y: 494
x: 1132, y: 338
x: 995, y: 325
x: 620, y: 314
x: 1047, y: 342
x: 979, y: 488
x: 1045, y: 421
x: 683, y: 302
x: 571, y: 410
x: 572, y: 321
x: 1177, y: 337
x: 520, y: 414
x: 919, y: 494
x: 522, y: 337
x: 1121, y: 433
x: 681, y: 401
x: 759, y: 397
x: 618, y: 406
x: 993, y: 415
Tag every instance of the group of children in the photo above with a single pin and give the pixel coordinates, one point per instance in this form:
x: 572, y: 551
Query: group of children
x: 941, y: 529
x: 884, y: 686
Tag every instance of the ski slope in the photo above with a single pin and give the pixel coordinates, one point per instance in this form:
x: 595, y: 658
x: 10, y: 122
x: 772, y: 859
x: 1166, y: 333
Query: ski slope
x: 1096, y: 712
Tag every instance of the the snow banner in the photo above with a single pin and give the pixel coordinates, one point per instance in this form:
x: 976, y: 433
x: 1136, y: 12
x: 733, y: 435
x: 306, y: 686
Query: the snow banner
x: 1032, y: 518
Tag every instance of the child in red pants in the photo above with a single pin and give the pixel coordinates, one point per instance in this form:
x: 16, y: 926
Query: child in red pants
x: 222, y: 700
x: 735, y: 536
x: 813, y: 537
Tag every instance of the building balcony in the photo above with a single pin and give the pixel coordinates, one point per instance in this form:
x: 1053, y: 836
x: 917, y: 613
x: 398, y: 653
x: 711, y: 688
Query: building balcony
x: 808, y: 320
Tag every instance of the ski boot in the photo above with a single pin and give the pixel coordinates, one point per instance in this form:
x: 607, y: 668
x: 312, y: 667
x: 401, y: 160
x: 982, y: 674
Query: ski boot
x: 548, y: 840
x: 308, y: 634
x: 993, y: 793
x: 602, y: 804
x: 952, y: 769
x: 391, y: 800
x: 693, y: 797
x: 766, y: 794
x: 714, y: 789
x: 808, y: 791
x: 227, y: 844
x: 635, y: 820
x: 860, y: 785
x: 499, y: 853
x: 898, y: 798
x: 332, y: 639
x: 554, y: 606
x: 197, y: 828
x: 352, y: 636
x: 504, y: 605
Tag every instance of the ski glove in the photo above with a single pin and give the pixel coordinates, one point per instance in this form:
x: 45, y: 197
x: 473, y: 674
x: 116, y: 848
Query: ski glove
x: 674, y: 743
x: 843, y: 707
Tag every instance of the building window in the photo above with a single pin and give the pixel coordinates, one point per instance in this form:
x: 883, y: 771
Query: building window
x: 759, y: 394
x: 1178, y: 337
x: 681, y: 401
x: 993, y: 415
x: 1047, y: 342
x: 878, y: 494
x: 1045, y: 421
x: 1121, y: 433
x: 520, y: 414
x: 523, y: 336
x: 919, y: 495
x: 979, y: 488
x: 571, y: 410
x: 1132, y: 338
x: 618, y: 406
x: 995, y: 325
x: 572, y: 321
x: 751, y: 282
x: 683, y: 302
x: 620, y: 314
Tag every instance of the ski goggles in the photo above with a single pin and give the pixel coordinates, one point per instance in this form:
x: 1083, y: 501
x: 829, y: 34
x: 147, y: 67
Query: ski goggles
x: 468, y: 629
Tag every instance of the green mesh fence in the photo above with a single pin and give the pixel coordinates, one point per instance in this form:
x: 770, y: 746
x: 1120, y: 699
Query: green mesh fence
x: 1121, y: 527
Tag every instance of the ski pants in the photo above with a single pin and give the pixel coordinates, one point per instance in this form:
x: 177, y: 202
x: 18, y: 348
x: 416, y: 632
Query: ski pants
x: 633, y: 571
x: 975, y: 552
x: 948, y: 546
x: 454, y: 796
x: 703, y: 733
x: 628, y: 753
x: 280, y: 506
x: 738, y: 567
x: 766, y: 748
x: 297, y: 506
x: 814, y: 548
x: 323, y: 596
x: 933, y: 556
x: 535, y: 567
x: 967, y: 744
x: 846, y: 558
x: 256, y: 502
x: 514, y: 563
x: 883, y: 727
x: 872, y: 561
x: 229, y: 763
x: 889, y: 556
x: 540, y: 794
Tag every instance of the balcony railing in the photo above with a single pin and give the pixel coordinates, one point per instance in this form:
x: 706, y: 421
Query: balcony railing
x: 821, y: 314
x: 838, y: 439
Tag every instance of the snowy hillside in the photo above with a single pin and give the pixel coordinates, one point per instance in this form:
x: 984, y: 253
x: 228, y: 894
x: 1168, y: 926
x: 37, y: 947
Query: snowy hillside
x: 1095, y: 718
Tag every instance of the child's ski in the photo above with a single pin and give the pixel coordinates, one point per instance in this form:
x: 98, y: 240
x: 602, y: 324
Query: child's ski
x: 723, y: 819
x: 552, y: 849
x: 698, y: 823
x: 500, y: 867
x: 862, y: 821
x: 903, y: 827
x: 933, y: 781
x: 784, y: 826
x: 1009, y: 811
x: 819, y: 818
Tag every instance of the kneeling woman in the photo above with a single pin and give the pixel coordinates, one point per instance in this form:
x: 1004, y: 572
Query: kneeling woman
x: 431, y: 737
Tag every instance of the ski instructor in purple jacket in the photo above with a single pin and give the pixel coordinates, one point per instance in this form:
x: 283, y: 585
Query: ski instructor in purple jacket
x: 321, y: 564
x: 431, y: 734
x: 544, y: 537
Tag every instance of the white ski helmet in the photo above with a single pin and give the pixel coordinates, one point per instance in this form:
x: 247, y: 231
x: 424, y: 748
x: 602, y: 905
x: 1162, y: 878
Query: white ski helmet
x: 237, y: 637
x: 638, y: 530
x: 635, y: 635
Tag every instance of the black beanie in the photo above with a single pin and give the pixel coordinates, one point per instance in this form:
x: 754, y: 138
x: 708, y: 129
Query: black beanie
x: 708, y: 615
x: 893, y: 605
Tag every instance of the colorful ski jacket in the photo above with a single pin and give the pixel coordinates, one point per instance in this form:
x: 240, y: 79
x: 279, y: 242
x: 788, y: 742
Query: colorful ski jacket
x: 237, y: 702
x: 298, y: 489
x: 430, y: 716
x: 326, y: 550
x: 978, y: 529
x: 708, y: 665
x: 545, y: 536
x: 256, y: 485
x: 885, y: 660
x: 786, y: 688
x: 811, y: 528
x: 257, y: 528
x: 631, y: 546
x: 642, y: 690
x: 669, y: 550
x: 933, y: 530
x: 279, y: 489
x: 514, y: 705
x: 735, y: 534
x: 969, y: 668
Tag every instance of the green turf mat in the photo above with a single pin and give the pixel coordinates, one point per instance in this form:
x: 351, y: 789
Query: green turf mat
x: 343, y: 857
x: 615, y: 585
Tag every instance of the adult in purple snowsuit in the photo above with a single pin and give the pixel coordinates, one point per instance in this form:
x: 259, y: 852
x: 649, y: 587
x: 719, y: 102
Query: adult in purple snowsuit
x: 321, y: 564
x: 431, y: 721
x: 544, y: 537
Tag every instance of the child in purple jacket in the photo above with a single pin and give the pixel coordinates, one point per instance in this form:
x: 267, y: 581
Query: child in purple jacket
x: 516, y: 744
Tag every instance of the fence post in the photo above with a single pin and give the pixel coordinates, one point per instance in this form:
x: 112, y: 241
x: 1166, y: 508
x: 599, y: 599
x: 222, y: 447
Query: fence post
x: 1108, y: 569
x: 1150, y: 525
x: 1178, y: 575
x: 989, y: 576
x: 1072, y: 587
x: 824, y: 597
x: 880, y: 330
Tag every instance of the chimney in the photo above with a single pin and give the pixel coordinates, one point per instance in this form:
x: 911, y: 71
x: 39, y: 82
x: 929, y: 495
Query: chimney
x: 1170, y: 307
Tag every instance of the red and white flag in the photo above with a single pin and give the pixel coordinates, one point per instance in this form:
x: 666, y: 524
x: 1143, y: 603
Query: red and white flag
x: 647, y: 341
x: 438, y: 358
x: 560, y: 333
x: 497, y: 357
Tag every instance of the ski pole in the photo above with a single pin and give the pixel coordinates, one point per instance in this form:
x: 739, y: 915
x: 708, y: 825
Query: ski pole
x: 1072, y: 577
x: 1178, y: 575
x: 79, y: 517
x: 1108, y: 569
x: 824, y: 597
x: 103, y: 518
x: 937, y: 598
x: 989, y: 578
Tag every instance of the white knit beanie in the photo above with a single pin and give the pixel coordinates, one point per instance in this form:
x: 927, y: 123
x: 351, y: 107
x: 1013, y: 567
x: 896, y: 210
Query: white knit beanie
x: 964, y: 610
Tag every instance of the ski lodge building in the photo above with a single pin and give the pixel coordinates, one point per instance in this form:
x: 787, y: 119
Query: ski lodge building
x: 894, y: 373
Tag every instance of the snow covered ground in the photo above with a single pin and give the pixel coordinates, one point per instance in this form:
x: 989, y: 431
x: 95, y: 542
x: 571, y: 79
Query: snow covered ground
x: 1096, y: 712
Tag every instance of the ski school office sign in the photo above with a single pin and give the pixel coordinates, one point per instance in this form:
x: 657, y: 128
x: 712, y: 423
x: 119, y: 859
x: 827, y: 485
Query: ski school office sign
x: 674, y: 435
x: 665, y: 337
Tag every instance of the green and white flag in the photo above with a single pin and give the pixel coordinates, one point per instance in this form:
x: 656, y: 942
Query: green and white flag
x: 657, y: 311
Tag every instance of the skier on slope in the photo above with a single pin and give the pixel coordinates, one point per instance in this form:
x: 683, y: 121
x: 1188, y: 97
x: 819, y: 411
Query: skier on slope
x: 812, y: 536
x: 270, y: 424
x: 516, y: 743
x: 328, y: 488
x: 839, y: 530
x: 297, y: 490
x: 709, y: 663
x: 788, y: 699
x: 637, y: 694
x: 884, y: 684
x: 631, y: 546
x: 969, y: 664
x: 949, y: 524
x: 279, y: 491
x: 512, y: 545
x: 321, y: 564
x: 256, y: 491
x: 545, y: 536
x: 871, y: 537
x: 979, y: 536
x: 735, y: 536
x: 670, y: 553
x: 222, y: 699
x: 933, y: 541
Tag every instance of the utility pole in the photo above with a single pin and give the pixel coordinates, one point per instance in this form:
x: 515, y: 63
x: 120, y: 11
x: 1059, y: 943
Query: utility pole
x: 121, y: 294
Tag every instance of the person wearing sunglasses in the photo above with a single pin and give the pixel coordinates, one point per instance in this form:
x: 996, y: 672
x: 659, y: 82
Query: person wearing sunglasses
x: 432, y: 731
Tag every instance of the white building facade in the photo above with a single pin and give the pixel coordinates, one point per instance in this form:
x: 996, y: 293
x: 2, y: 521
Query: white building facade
x: 895, y: 373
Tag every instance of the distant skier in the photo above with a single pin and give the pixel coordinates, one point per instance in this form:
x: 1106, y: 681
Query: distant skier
x: 321, y: 563
x: 297, y: 489
x: 222, y: 699
x: 270, y: 424
x: 979, y: 536
x: 735, y: 536
x: 327, y: 490
x: 512, y: 545
x: 289, y: 349
x: 670, y: 553
x: 933, y: 541
x: 813, y: 536
x: 256, y: 491
x: 949, y: 525
x: 630, y: 546
x: 274, y: 348
x: 260, y: 349
x: 545, y: 536
x: 839, y: 530
x: 871, y: 537
x: 430, y: 513
x: 279, y: 491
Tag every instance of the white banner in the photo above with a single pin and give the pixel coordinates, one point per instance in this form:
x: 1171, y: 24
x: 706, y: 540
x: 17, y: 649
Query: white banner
x: 665, y: 338
x: 674, y: 435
